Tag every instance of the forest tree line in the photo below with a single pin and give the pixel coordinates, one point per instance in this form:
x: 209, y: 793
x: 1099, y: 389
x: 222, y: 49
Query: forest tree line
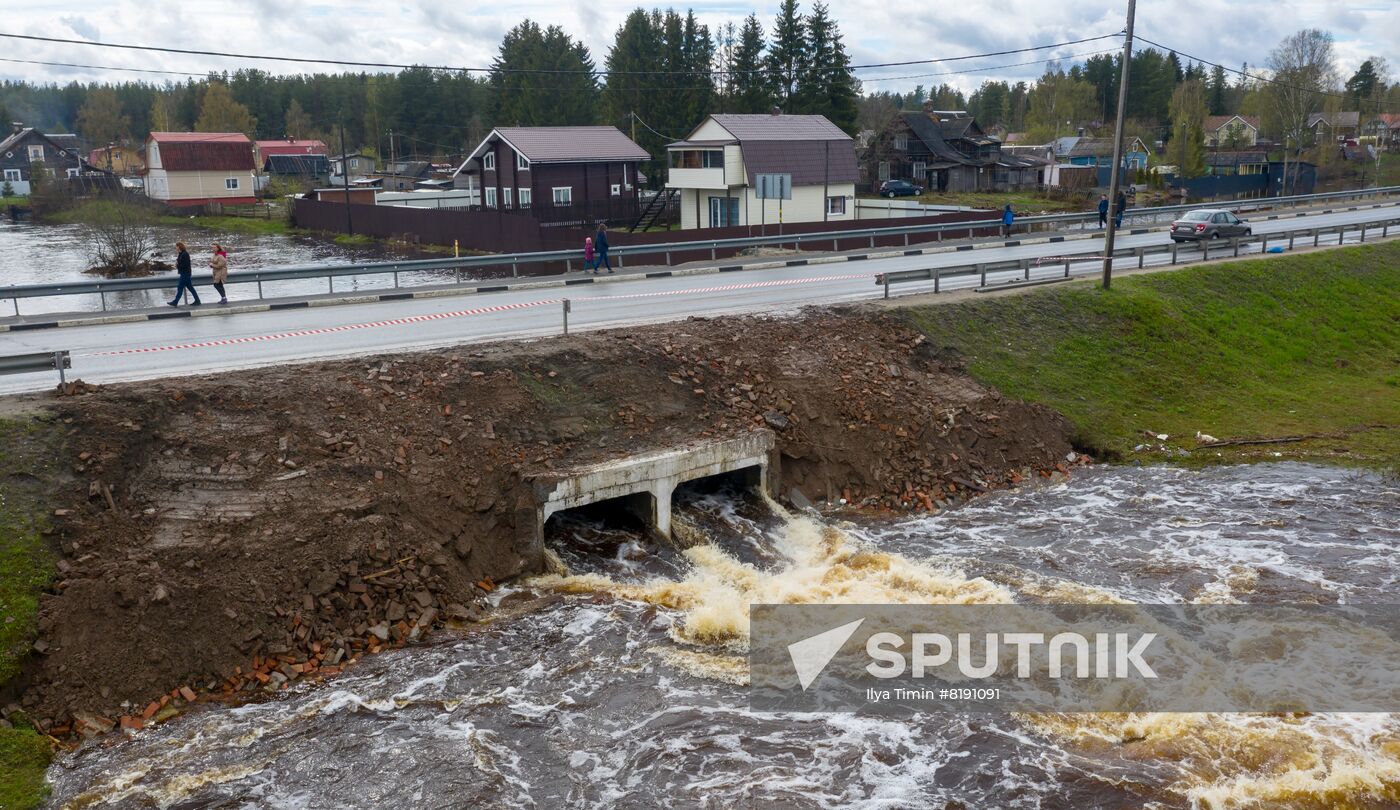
x: 664, y: 71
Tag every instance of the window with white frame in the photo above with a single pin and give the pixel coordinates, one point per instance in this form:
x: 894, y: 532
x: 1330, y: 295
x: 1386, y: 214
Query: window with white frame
x: 231, y: 183
x: 920, y: 169
x: 521, y: 162
x: 563, y: 195
x: 901, y: 142
x: 616, y: 190
x: 490, y: 198
x: 506, y: 197
x: 73, y: 172
x: 488, y: 161
x: 836, y: 205
x: 525, y: 196
x: 627, y: 184
x: 13, y: 175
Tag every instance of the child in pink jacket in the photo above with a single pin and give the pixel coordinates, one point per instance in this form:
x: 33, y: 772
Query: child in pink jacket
x: 589, y: 264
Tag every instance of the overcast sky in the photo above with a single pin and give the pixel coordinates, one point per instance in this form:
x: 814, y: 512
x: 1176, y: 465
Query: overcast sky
x: 449, y: 32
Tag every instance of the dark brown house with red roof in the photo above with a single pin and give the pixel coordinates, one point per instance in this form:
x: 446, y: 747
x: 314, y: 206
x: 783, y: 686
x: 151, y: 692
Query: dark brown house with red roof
x: 717, y: 170
x: 557, y: 174
x: 197, y: 168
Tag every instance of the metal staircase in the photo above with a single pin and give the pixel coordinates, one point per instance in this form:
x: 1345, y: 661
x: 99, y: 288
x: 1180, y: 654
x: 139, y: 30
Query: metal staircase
x: 655, y: 209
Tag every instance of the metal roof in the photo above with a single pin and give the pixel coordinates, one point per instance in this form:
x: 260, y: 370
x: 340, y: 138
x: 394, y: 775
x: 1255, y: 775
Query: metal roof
x: 200, y: 137
x: 780, y: 127
x: 564, y: 145
x: 1215, y: 122
x: 1337, y: 119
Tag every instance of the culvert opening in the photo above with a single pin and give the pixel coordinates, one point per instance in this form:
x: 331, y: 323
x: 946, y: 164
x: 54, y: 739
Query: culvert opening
x: 614, y: 537
x: 730, y: 511
x: 742, y: 480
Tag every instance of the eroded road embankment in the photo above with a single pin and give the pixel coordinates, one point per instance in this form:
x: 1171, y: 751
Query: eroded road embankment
x: 236, y: 533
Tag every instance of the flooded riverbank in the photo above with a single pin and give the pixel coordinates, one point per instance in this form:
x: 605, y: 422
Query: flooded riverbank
x: 619, y: 683
x: 32, y: 253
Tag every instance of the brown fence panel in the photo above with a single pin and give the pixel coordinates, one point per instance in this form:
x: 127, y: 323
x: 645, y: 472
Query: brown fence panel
x: 518, y: 232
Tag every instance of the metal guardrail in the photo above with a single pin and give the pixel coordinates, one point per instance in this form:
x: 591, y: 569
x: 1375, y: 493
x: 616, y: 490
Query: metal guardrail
x: 1207, y: 247
x: 330, y: 272
x: 38, y: 361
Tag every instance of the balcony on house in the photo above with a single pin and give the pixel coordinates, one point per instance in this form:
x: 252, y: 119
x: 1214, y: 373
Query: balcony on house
x: 704, y: 165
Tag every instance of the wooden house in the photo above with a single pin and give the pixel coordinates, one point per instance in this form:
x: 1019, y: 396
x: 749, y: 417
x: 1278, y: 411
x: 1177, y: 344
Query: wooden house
x: 947, y: 151
x: 1231, y: 131
x: 558, y: 174
x: 26, y: 148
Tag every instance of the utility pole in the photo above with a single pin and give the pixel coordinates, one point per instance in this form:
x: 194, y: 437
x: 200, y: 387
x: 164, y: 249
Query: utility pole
x: 1114, y: 174
x: 345, y: 178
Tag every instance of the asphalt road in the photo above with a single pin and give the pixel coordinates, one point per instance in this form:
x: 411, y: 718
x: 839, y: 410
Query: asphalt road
x: 183, y: 346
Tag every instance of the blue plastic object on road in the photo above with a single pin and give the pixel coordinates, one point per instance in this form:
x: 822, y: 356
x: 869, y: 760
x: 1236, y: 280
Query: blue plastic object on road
x: 1275, y: 250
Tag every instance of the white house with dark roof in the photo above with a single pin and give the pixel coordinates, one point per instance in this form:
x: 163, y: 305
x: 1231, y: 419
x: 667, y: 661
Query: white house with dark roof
x: 1231, y: 131
x: 581, y: 173
x: 715, y: 169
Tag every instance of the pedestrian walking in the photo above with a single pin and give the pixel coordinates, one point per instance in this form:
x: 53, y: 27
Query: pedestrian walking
x: 218, y: 266
x: 186, y: 271
x: 1007, y: 218
x: 1103, y: 210
x: 600, y: 243
x: 1118, y: 212
x: 588, y: 265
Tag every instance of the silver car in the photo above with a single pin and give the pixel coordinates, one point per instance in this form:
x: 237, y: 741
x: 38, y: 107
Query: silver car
x: 1208, y: 223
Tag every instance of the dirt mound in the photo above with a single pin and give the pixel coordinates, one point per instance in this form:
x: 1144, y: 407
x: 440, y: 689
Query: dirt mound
x: 234, y: 533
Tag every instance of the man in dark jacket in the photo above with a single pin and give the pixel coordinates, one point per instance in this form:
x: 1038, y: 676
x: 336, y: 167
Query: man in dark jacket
x: 1118, y: 210
x: 1103, y: 210
x: 186, y: 271
x: 600, y: 244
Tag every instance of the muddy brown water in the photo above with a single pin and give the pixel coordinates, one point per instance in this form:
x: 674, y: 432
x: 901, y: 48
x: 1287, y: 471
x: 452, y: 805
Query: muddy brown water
x: 621, y: 684
x: 32, y: 253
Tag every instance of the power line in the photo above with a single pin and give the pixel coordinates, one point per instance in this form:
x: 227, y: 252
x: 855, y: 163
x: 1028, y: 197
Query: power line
x: 1264, y: 79
x: 309, y: 60
x: 869, y: 79
x: 99, y: 67
x: 987, y: 69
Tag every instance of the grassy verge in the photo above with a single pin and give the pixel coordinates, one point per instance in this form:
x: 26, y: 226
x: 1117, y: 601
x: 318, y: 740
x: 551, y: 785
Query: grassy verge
x: 1021, y: 202
x: 28, y: 447
x: 253, y: 225
x: 6, y: 202
x: 1281, y: 346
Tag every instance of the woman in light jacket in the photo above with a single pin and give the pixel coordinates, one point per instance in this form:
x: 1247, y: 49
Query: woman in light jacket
x: 219, y: 267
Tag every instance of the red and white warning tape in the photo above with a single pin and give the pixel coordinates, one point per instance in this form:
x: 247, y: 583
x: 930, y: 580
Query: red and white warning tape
x: 461, y: 313
x: 411, y: 319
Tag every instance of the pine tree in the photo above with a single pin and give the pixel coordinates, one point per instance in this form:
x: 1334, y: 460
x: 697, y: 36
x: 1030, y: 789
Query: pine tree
x: 842, y: 88
x: 787, y: 56
x: 633, y: 63
x: 749, y: 88
x: 693, y: 74
x: 1362, y: 85
x: 565, y: 93
x: 1218, y: 91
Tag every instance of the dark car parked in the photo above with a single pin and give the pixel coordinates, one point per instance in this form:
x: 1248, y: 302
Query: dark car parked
x: 1208, y: 223
x: 899, y: 188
